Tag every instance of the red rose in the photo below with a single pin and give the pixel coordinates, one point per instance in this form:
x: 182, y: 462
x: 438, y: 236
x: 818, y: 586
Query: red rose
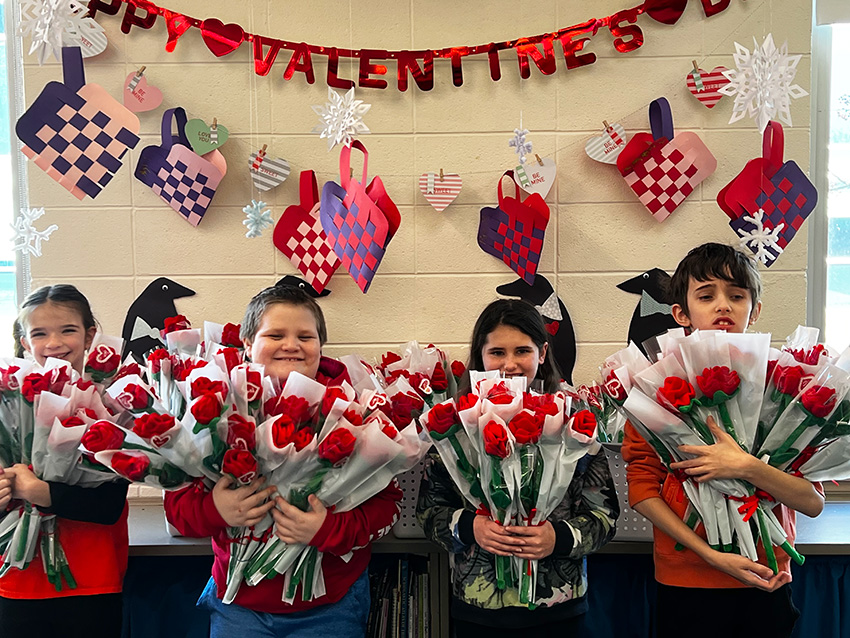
x: 495, y: 439
x: 83, y: 385
x: 718, y: 379
x: 240, y: 464
x: 102, y: 435
x: 420, y: 382
x: 241, y: 433
x: 230, y: 335
x: 87, y: 412
x: 614, y: 388
x: 103, y: 361
x: 203, y: 385
x: 353, y: 416
x: 206, y: 408
x: 134, y: 397
x: 337, y: 446
x: 172, y: 324
x: 332, y: 393
x: 8, y: 381
x: 389, y: 358
x: 811, y: 356
x: 282, y: 431
x: 458, y: 369
x: 526, y: 427
x: 34, y: 384
x: 789, y: 380
x: 72, y: 422
x: 232, y: 357
x: 403, y: 407
x: 59, y: 378
x: 441, y: 418
x: 302, y: 438
x: 676, y: 392
x: 771, y: 366
x: 499, y: 394
x: 155, y: 359
x: 390, y: 431
x: 131, y: 466
x: 255, y: 386
x: 466, y: 401
x: 127, y: 370
x: 149, y: 426
x: 818, y: 400
x: 180, y: 369
x: 540, y: 403
x: 585, y: 423
x: 439, y: 381
x: 293, y: 406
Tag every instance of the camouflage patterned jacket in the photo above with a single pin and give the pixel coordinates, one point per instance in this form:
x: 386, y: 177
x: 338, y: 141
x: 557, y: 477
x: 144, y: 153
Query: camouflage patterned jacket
x: 584, y: 521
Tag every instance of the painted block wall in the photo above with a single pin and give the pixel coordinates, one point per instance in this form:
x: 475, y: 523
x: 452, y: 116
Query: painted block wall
x: 434, y: 280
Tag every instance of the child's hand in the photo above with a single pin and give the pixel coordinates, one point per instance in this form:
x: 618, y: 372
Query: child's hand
x: 753, y: 574
x: 243, y: 506
x: 723, y: 460
x: 495, y: 538
x: 538, y: 541
x: 294, y: 526
x: 29, y: 487
x: 6, y: 477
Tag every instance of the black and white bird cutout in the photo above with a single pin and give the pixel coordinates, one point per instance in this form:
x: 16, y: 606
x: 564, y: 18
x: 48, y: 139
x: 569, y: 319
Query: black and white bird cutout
x: 147, y: 314
x: 542, y: 296
x: 652, y: 315
x: 297, y: 282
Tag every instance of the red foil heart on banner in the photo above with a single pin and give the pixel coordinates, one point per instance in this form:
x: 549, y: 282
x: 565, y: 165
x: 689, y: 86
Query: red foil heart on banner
x: 665, y: 11
x: 221, y: 38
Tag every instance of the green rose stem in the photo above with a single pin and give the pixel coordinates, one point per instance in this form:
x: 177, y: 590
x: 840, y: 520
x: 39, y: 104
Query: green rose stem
x: 766, y: 542
x: 502, y: 501
x: 25, y: 522
x: 784, y: 452
x: 464, y: 466
x: 529, y: 490
x: 701, y: 428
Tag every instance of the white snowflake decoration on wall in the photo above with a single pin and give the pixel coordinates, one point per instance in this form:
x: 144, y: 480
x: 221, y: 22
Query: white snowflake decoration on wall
x: 763, y: 83
x: 259, y: 218
x: 521, y: 146
x: 342, y: 118
x: 54, y: 23
x: 27, y: 239
x: 764, y: 241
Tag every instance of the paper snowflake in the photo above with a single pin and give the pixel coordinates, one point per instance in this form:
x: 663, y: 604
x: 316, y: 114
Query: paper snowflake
x: 763, y: 83
x: 762, y: 240
x: 51, y: 23
x: 844, y: 107
x: 342, y: 118
x: 259, y: 218
x: 521, y: 146
x: 27, y: 239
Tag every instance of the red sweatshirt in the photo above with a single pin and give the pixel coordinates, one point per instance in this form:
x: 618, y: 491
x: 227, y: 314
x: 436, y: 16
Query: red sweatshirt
x: 192, y: 511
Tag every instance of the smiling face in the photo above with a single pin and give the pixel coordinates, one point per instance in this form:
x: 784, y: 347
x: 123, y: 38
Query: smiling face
x: 717, y: 304
x: 287, y: 340
x: 56, y: 330
x: 512, y: 352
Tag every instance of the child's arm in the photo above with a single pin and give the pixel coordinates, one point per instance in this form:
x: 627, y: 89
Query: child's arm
x: 725, y: 459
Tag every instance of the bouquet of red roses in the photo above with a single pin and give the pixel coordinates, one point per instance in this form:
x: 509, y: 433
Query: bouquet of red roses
x: 426, y: 369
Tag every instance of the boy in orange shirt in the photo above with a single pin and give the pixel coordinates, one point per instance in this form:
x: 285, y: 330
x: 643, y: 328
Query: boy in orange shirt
x: 715, y: 287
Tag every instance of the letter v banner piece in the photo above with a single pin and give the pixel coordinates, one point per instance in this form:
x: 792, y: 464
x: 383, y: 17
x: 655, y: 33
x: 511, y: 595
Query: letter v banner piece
x: 358, y: 221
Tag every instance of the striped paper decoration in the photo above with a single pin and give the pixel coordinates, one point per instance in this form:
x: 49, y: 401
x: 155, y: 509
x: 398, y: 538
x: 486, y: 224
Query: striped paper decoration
x: 269, y: 172
x: 712, y: 83
x: 440, y: 192
x: 86, y: 34
x: 606, y: 147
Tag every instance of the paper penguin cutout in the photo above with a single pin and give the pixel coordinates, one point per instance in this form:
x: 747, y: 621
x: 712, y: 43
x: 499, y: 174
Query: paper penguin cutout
x: 652, y: 315
x: 147, y: 314
x: 297, y: 282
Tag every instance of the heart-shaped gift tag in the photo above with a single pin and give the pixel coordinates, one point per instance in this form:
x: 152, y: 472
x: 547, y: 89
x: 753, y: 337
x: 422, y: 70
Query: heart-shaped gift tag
x: 86, y: 34
x: 267, y: 172
x: 537, y: 176
x: 140, y: 96
x: 606, y: 147
x: 221, y: 38
x: 707, y: 87
x: 204, y: 138
x: 440, y: 189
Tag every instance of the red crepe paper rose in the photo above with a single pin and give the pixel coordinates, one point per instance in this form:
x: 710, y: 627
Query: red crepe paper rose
x: 718, y: 379
x: 526, y: 427
x: 771, y: 366
x: 59, y: 378
x: 230, y: 335
x: 103, y: 361
x: 293, y: 406
x: 127, y: 370
x: 458, y: 369
x: 584, y: 423
x: 232, y: 357
x: 353, y: 416
x: 135, y: 397
x: 149, y: 426
x: 83, y: 385
x: 499, y: 394
x: 203, y: 385
x: 441, y: 418
x: 155, y: 359
x: 337, y: 446
x: 818, y: 400
x: 8, y: 380
x: 466, y: 401
x: 241, y: 433
x: 102, y: 435
x: 676, y: 392
x: 131, y: 466
x: 614, y: 388
x: 495, y: 439
x: 811, y: 356
x: 302, y: 438
x: 390, y: 431
x: 439, y: 381
x: 283, y: 430
x: 240, y: 464
x: 332, y: 393
x: 789, y: 380
x: 206, y: 408
x: 254, y: 384
x: 86, y: 412
x: 173, y: 324
x: 540, y: 403
x: 403, y: 407
x: 34, y: 384
x: 181, y: 369
x: 72, y: 422
x: 389, y: 358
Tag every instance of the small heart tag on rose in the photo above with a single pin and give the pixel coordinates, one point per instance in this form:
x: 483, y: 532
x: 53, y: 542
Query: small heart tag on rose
x: 536, y: 176
x: 139, y: 96
x: 221, y: 38
x: 267, y: 172
x: 204, y: 138
x: 158, y: 440
x: 440, y: 190
x: 711, y: 81
x: 606, y: 147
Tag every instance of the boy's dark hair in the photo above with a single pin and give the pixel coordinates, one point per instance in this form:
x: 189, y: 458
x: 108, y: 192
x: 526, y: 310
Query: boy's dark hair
x: 64, y: 294
x: 717, y: 261
x: 280, y: 294
x: 525, y: 318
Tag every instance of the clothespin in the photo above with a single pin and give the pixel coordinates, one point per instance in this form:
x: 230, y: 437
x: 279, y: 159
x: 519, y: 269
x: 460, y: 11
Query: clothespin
x: 261, y: 155
x: 214, y: 132
x: 539, y: 161
x: 136, y: 79
x: 697, y: 76
x: 612, y: 133
x: 441, y: 174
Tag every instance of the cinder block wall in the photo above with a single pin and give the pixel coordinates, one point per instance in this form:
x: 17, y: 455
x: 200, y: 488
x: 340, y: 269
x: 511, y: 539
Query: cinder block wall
x: 434, y: 279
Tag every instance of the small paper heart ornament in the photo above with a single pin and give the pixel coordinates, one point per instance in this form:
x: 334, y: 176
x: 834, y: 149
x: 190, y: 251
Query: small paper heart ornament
x: 440, y: 191
x: 707, y: 87
x: 606, y: 147
x: 535, y: 177
x: 139, y: 96
x: 86, y: 34
x: 204, y: 138
x: 267, y: 172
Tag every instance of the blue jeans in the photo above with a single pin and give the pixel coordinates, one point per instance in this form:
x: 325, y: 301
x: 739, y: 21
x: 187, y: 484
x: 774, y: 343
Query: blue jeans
x: 345, y: 618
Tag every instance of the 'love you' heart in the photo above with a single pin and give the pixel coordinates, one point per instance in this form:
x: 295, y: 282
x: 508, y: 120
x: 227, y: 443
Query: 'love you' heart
x: 440, y: 190
x: 536, y: 177
x: 139, y: 96
x: 204, y: 138
x: 267, y: 172
x: 221, y: 38
x: 606, y: 147
x: 706, y: 87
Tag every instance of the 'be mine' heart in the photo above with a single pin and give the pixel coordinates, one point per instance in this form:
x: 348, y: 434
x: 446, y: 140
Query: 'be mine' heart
x: 440, y: 191
x: 712, y: 82
x: 143, y: 96
x: 536, y: 177
x: 606, y: 147
x: 221, y: 38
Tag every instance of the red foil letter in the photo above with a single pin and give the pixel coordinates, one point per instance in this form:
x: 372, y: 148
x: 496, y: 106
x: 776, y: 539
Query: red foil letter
x: 629, y: 16
x: 458, y: 53
x: 263, y: 63
x: 131, y: 19
x: 109, y: 8
x: 424, y: 78
x: 333, y: 70
x: 177, y: 24
x: 366, y: 68
x: 495, y: 69
x: 712, y: 9
x: 571, y: 47
x: 300, y: 61
x: 545, y: 61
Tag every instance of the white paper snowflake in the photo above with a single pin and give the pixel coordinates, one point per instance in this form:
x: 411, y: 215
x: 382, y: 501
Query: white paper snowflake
x: 26, y: 238
x: 763, y: 241
x: 763, y: 83
x: 844, y: 107
x: 342, y: 118
x: 521, y: 146
x: 259, y: 218
x: 49, y: 23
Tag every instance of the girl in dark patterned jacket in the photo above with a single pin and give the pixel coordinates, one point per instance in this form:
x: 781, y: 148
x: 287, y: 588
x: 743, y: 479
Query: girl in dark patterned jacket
x: 510, y: 336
